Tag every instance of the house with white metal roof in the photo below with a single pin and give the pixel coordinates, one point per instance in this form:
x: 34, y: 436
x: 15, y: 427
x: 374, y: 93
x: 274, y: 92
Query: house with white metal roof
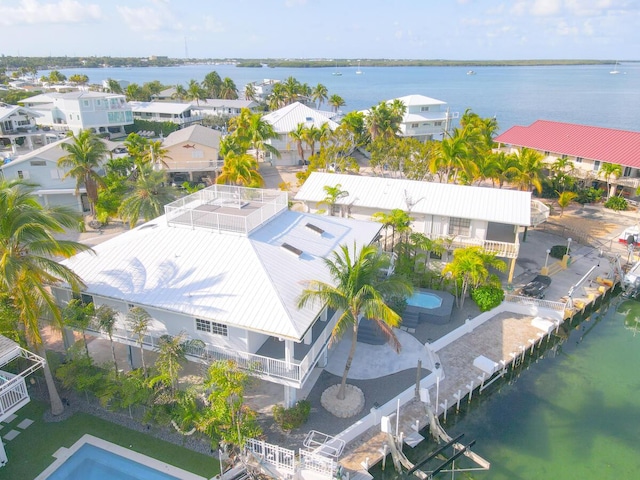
x: 226, y: 265
x: 193, y: 151
x: 105, y: 113
x: 425, y: 119
x: 286, y: 120
x: 468, y: 216
x: 223, y: 107
x: 40, y: 166
x: 180, y: 113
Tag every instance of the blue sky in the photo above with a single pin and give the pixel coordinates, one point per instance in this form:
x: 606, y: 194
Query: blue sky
x: 424, y: 29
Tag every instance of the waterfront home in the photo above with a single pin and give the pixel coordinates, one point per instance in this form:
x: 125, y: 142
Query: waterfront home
x: 263, y: 89
x: 222, y: 107
x: 467, y: 216
x: 18, y: 122
x: 41, y: 167
x: 587, y: 147
x: 182, y: 114
x: 285, y: 120
x: 194, y: 152
x: 225, y: 265
x: 425, y: 119
x: 102, y: 113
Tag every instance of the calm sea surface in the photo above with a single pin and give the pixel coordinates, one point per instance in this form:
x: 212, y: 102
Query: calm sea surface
x: 515, y: 95
x: 575, y: 415
x: 572, y: 415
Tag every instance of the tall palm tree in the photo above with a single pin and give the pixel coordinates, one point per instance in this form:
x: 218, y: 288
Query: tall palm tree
x: 85, y: 154
x: 195, y: 92
x: 527, y: 174
x: 450, y: 155
x: 228, y: 89
x: 334, y: 194
x: 336, y: 101
x: 250, y: 92
x: 180, y: 94
x: 298, y: 136
x: 319, y: 94
x: 240, y: 170
x: 155, y: 155
x: 172, y: 355
x: 312, y: 134
x: 292, y: 90
x: 358, y: 290
x: 506, y: 166
x: 211, y: 84
x: 397, y: 219
x: 106, y: 318
x: 277, y: 98
x: 27, y: 265
x: 565, y: 199
x: 147, y: 198
x: 139, y: 320
x: 258, y: 133
x: 114, y: 86
x: 610, y: 171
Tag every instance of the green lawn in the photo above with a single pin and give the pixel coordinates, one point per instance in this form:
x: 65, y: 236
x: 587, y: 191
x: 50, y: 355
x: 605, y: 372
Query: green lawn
x: 31, y: 451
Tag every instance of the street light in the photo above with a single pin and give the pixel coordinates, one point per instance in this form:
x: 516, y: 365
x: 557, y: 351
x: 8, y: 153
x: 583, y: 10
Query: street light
x: 546, y: 260
x: 568, y: 244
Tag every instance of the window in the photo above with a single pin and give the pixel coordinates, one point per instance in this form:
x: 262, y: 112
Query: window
x: 415, y: 125
x: 85, y: 299
x: 596, y: 165
x: 23, y: 174
x: 459, y: 226
x: 424, y: 109
x: 38, y: 163
x: 578, y: 159
x: 85, y: 103
x: 438, y: 124
x: 564, y: 156
x: 627, y: 172
x: 211, y: 327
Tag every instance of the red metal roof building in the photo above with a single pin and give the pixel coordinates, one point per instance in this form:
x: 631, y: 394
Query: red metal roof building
x: 580, y: 141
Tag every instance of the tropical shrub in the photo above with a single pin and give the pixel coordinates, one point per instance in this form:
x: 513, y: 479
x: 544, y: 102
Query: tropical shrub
x: 589, y: 195
x: 291, y: 418
x: 558, y: 251
x: 487, y: 297
x: 617, y: 204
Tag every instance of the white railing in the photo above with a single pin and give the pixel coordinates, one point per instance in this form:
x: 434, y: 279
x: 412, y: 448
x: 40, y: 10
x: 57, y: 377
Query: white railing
x: 539, y: 212
x: 311, y: 358
x: 318, y: 463
x: 281, y: 458
x: 500, y: 249
x: 538, y: 302
x: 13, y: 393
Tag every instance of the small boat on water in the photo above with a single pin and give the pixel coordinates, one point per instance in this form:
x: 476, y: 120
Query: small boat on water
x: 615, y: 70
x: 471, y: 72
x: 358, y: 71
x: 337, y: 73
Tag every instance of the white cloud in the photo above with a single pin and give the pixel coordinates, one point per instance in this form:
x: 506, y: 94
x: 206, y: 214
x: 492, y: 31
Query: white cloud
x: 29, y: 12
x: 150, y: 18
x: 544, y: 8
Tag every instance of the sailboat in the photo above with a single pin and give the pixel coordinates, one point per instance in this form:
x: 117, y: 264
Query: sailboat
x: 615, y: 70
x: 337, y: 73
x: 358, y: 71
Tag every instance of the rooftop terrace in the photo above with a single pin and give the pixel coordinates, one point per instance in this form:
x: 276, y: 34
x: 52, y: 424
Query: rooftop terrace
x: 226, y: 208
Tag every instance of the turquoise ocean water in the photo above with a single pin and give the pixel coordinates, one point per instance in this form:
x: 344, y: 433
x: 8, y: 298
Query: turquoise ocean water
x: 515, y: 95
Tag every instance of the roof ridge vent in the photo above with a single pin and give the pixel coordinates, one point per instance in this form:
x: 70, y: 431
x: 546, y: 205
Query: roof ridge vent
x: 290, y: 248
x: 314, y: 228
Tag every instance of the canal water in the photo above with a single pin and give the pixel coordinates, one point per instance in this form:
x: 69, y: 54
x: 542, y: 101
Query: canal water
x: 573, y: 413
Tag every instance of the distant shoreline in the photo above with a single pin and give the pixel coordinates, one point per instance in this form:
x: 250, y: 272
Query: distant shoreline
x: 52, y: 63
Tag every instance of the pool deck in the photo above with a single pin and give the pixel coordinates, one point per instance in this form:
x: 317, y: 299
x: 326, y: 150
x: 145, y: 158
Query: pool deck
x: 438, y: 315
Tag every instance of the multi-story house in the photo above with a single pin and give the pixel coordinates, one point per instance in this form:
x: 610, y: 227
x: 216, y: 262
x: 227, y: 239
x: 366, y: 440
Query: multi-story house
x: 180, y: 113
x: 103, y: 113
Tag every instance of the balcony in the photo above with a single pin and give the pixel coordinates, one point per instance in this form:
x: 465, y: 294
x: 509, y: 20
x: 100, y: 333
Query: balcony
x: 500, y: 249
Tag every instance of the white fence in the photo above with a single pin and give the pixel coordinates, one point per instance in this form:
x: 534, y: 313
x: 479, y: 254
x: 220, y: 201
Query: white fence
x: 281, y: 458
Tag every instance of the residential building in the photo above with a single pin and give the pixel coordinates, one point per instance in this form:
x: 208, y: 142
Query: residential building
x: 41, y: 167
x: 425, y: 118
x: 180, y: 113
x: 193, y: 151
x: 586, y: 147
x: 19, y: 123
x: 225, y: 265
x: 464, y: 215
x: 103, y: 113
x: 222, y: 107
x: 286, y: 120
x: 263, y: 89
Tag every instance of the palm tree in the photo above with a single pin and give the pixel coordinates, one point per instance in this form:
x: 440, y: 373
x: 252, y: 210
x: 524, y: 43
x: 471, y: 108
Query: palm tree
x: 610, y: 171
x: 180, y: 94
x: 565, y: 199
x: 312, y: 134
x: 384, y: 119
x: 155, y: 155
x: 147, y: 198
x: 84, y: 155
x: 277, y: 97
x: 506, y: 166
x: 397, y: 219
x: 258, y: 133
x: 470, y: 268
x: 450, y: 155
x: 77, y: 315
x: 298, y: 136
x: 211, y: 84
x: 528, y: 172
x: 172, y: 354
x: 421, y: 242
x: 106, y: 318
x: 195, y: 92
x: 228, y: 89
x: 139, y: 320
x: 333, y: 195
x: 250, y: 92
x: 319, y: 94
x: 114, y: 86
x: 336, y: 101
x: 292, y: 90
x: 27, y: 265
x: 358, y: 290
x: 240, y: 170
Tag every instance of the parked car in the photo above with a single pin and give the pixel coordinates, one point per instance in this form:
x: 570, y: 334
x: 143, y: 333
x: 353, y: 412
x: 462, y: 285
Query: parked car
x: 536, y: 287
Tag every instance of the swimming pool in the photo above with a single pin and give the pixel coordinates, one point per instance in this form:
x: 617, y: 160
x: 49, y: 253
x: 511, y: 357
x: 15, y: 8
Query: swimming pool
x: 424, y: 300
x: 91, y: 458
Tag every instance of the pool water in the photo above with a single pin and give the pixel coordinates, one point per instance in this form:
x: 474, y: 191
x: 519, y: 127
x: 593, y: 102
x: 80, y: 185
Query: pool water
x: 94, y: 463
x: 424, y: 300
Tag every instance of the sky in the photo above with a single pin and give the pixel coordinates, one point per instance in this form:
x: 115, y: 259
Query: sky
x: 354, y: 29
